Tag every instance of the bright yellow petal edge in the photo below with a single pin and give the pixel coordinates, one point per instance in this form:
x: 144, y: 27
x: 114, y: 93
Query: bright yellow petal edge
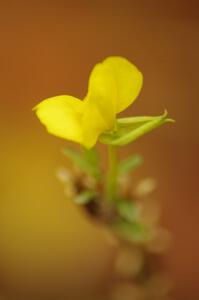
x: 128, y: 80
x: 113, y: 85
x: 62, y: 117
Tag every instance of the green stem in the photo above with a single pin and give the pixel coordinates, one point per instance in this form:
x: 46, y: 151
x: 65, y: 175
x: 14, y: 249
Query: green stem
x: 111, y: 179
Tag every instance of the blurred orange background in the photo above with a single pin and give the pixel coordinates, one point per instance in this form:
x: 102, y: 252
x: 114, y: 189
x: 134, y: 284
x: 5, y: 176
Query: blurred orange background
x: 47, y: 246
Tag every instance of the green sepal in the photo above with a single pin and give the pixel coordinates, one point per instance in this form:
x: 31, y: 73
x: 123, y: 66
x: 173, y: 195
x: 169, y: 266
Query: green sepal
x: 127, y: 210
x: 85, y: 197
x: 132, y: 232
x: 87, y: 162
x: 130, y: 164
x: 130, y: 129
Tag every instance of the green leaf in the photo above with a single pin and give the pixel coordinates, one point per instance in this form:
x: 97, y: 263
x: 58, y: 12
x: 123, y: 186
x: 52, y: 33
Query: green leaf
x: 133, y: 232
x: 77, y: 159
x: 130, y: 164
x: 138, y: 119
x: 85, y: 197
x: 82, y: 162
x: 130, y: 129
x: 92, y: 157
x: 128, y: 210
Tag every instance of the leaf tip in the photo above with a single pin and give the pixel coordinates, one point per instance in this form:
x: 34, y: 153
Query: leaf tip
x: 168, y: 120
x: 165, y: 114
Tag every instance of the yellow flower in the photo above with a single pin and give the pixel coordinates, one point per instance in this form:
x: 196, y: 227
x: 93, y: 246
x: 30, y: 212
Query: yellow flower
x: 113, y: 85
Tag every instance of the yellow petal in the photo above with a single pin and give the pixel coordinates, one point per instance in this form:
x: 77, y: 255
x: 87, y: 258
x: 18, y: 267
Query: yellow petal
x: 62, y: 116
x: 128, y: 80
x: 102, y: 94
x: 93, y: 125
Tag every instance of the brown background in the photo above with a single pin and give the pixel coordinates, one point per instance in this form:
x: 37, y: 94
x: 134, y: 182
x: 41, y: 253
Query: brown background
x: 48, y: 48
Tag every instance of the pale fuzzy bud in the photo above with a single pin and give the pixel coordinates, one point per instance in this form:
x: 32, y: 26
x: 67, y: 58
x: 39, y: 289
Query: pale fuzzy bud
x: 63, y: 175
x: 145, y: 187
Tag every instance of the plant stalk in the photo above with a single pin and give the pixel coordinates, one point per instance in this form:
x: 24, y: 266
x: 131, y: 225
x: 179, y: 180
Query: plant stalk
x: 111, y: 179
